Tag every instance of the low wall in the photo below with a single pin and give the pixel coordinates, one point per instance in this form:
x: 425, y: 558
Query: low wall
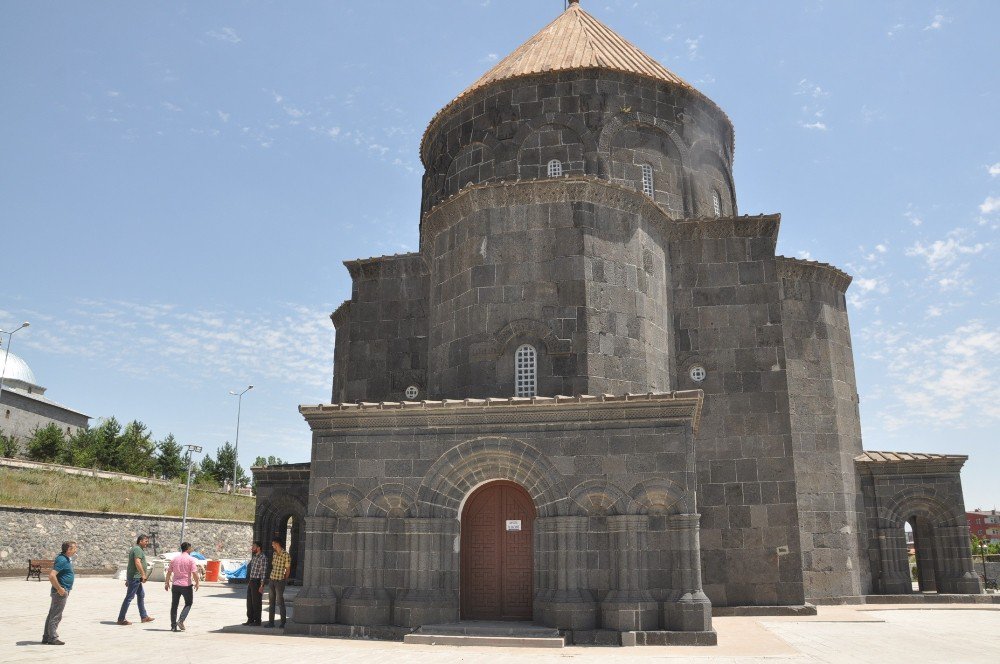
x: 105, y: 537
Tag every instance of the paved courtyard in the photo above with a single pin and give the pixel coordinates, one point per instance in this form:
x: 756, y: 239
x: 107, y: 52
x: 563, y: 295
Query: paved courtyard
x: 882, y: 634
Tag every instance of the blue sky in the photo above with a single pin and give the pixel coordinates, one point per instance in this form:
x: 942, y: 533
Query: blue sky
x: 180, y: 182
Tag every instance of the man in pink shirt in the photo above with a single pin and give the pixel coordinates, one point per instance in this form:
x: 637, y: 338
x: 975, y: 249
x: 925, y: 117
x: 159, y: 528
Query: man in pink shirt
x: 183, y: 570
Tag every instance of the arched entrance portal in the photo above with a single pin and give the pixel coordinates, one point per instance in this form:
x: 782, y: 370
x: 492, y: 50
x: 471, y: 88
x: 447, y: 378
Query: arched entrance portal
x: 497, y: 553
x: 924, y: 550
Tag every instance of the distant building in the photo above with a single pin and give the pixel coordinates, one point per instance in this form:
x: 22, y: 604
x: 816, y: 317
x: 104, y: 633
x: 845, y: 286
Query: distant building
x: 984, y: 524
x: 25, y: 407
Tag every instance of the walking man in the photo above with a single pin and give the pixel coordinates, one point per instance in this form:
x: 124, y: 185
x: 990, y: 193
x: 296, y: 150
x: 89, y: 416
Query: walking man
x: 184, y: 571
x: 135, y: 576
x: 61, y: 577
x: 256, y: 573
x: 281, y: 568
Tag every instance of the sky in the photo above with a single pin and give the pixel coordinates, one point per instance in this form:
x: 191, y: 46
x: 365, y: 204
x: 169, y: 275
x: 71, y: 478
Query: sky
x: 180, y: 183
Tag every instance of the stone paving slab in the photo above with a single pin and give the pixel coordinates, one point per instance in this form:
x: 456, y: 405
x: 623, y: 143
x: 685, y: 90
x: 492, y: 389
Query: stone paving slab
x: 883, y: 634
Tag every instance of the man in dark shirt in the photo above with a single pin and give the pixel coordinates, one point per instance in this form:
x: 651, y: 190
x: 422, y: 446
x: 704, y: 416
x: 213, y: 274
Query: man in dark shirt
x: 256, y: 573
x: 61, y: 577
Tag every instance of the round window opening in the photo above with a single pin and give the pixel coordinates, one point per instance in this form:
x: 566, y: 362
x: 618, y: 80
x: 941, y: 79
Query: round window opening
x: 697, y: 373
x: 412, y: 392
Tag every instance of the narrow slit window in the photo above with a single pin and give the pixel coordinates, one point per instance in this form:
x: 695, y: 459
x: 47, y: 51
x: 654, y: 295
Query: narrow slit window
x: 716, y: 203
x: 525, y: 371
x: 555, y: 168
x: 647, y: 180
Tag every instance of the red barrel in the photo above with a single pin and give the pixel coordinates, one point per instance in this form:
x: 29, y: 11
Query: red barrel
x: 212, y: 570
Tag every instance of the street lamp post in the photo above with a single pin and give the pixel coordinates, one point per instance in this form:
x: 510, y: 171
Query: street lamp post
x: 984, y: 546
x: 236, y: 452
x: 10, y: 339
x: 187, y: 491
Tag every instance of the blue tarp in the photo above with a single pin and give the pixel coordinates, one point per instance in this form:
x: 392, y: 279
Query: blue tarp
x: 238, y: 573
x: 198, y: 556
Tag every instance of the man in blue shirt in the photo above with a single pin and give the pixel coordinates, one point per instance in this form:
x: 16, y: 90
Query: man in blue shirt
x: 61, y: 577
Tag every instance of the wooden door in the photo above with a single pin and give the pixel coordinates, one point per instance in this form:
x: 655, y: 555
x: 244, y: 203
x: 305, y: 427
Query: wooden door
x: 497, y: 558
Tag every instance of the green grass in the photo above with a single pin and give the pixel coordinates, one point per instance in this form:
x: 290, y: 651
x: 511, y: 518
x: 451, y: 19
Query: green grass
x: 38, y: 488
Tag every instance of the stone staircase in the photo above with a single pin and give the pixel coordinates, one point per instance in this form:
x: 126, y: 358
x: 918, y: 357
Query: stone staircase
x: 487, y: 633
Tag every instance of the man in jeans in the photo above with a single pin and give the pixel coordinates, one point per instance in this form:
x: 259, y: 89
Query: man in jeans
x: 184, y: 571
x: 135, y: 576
x: 61, y: 577
x: 281, y: 568
x: 256, y: 574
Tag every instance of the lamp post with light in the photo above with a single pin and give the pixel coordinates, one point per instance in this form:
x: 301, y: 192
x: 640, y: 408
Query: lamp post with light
x: 10, y: 339
x: 187, y: 491
x: 236, y: 452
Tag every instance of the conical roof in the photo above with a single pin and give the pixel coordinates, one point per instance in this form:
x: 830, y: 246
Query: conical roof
x: 574, y: 40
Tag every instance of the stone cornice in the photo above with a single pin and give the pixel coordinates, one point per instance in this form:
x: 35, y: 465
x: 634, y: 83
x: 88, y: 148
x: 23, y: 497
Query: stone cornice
x: 669, y: 407
x: 803, y: 270
x: 377, y: 265
x: 340, y: 314
x: 893, y: 463
x: 588, y: 189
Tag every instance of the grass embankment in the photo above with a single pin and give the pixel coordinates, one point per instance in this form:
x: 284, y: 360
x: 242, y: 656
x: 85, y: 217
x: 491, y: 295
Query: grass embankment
x: 38, y: 488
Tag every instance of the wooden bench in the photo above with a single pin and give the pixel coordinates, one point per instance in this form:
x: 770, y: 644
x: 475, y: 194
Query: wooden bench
x: 37, y: 567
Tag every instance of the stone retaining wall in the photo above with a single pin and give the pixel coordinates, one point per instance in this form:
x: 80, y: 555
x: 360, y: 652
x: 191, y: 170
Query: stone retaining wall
x: 104, y: 538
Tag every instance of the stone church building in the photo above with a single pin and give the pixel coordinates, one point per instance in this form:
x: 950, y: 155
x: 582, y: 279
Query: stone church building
x: 595, y: 398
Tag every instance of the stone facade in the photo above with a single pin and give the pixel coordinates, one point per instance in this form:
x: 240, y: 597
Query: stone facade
x: 579, y: 236
x: 282, y: 498
x: 105, y: 537
x: 926, y: 492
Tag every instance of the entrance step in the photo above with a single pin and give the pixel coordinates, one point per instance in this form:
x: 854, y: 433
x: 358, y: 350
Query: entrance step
x: 487, y: 633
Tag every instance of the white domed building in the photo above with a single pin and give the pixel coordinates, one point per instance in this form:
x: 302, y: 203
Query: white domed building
x: 24, y: 406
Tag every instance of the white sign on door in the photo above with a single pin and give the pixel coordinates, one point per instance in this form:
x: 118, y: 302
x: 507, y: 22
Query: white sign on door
x: 513, y: 524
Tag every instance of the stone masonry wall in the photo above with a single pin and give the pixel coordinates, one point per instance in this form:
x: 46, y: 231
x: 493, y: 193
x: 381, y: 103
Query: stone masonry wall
x: 21, y: 415
x: 382, y: 336
x: 512, y: 129
x: 105, y: 538
x: 727, y: 318
x: 826, y: 427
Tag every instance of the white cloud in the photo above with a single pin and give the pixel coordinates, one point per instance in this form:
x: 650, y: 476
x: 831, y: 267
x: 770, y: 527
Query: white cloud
x: 172, y: 107
x: 225, y: 34
x: 894, y: 30
x: 291, y: 346
x: 937, y: 22
x: 810, y: 89
x: 913, y: 218
x: 993, y: 169
x: 692, y: 46
x: 821, y: 126
x: 223, y: 116
x: 804, y: 255
x: 943, y: 253
x: 881, y: 248
x: 940, y: 381
x: 866, y: 285
x: 934, y: 311
x: 115, y: 93
x: 990, y: 205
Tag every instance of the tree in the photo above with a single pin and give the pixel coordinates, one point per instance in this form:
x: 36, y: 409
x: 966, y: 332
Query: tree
x: 267, y: 461
x: 169, y: 462
x: 104, y: 450
x: 8, y: 445
x: 46, y: 443
x: 205, y: 472
x: 80, y: 448
x: 224, y: 458
x: 136, y: 449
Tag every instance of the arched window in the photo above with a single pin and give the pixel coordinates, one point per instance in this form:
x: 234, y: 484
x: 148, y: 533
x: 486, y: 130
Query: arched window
x: 555, y: 168
x: 716, y: 203
x: 647, y: 179
x: 525, y: 371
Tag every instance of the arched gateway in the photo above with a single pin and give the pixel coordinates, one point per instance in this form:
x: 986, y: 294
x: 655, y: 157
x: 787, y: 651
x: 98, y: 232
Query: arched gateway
x: 497, y: 553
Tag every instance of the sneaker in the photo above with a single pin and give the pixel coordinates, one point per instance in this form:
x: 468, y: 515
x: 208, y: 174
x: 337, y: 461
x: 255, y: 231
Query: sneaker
x: 180, y: 625
x: 269, y: 624
x: 124, y: 622
x: 54, y: 642
x: 173, y: 628
x: 249, y: 623
x: 148, y: 619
